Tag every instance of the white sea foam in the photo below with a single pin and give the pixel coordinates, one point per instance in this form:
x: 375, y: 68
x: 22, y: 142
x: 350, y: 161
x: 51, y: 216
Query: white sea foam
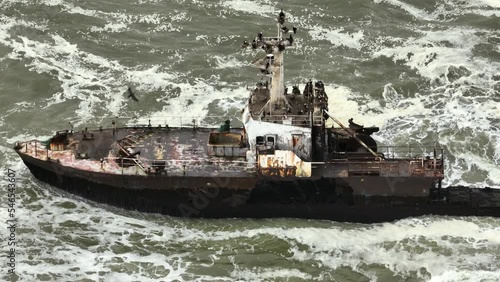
x: 21, y: 137
x: 4, y: 4
x: 343, y: 106
x: 486, y: 13
x: 431, y: 57
x: 89, y: 261
x: 257, y: 274
x: 487, y: 3
x: 53, y: 2
x: 387, y: 244
x: 226, y: 62
x: 412, y: 10
x: 80, y: 71
x: 338, y: 37
x: 119, y: 22
x: 68, y: 63
x: 264, y: 9
x: 196, y: 98
x: 153, y: 77
x: 110, y: 27
x: 446, y: 59
x: 76, y: 70
x: 467, y: 275
x: 449, y: 10
x: 250, y: 7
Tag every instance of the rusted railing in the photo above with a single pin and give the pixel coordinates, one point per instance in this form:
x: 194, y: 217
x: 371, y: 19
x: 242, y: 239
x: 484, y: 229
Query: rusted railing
x: 148, y: 166
x: 295, y: 120
x: 173, y: 121
x: 427, y: 161
x: 183, y: 167
x: 411, y: 152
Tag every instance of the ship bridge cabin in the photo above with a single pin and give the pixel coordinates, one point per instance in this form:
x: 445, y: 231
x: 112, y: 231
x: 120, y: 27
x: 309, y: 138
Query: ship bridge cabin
x: 298, y: 109
x: 291, y: 122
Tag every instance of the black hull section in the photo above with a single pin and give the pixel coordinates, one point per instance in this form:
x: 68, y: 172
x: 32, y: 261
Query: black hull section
x: 320, y: 199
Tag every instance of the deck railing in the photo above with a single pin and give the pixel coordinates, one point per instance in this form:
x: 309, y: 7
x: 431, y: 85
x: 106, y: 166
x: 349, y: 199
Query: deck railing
x: 296, y: 120
x: 422, y: 161
x: 395, y: 152
x: 170, y: 121
x: 415, y: 161
x: 175, y: 121
x: 182, y: 167
x: 139, y: 165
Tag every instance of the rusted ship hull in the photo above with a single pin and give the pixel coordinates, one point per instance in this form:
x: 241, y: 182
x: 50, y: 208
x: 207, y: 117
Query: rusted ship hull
x: 252, y: 197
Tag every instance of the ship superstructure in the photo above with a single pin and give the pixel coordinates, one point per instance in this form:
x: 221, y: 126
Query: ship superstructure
x: 284, y: 162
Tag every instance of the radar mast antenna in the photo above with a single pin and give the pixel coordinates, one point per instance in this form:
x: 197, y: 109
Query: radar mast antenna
x: 275, y: 58
x: 272, y: 66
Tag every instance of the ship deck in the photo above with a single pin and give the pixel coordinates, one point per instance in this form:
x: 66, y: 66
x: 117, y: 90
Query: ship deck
x: 185, y: 152
x: 177, y: 151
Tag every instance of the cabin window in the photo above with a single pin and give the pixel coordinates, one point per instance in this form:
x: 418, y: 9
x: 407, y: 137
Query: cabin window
x: 260, y: 140
x: 270, y: 58
x: 270, y: 140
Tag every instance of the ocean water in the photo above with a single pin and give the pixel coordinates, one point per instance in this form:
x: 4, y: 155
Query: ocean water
x: 427, y: 72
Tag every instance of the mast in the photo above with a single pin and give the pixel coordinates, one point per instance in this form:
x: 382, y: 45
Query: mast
x: 278, y: 70
x: 273, y: 64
